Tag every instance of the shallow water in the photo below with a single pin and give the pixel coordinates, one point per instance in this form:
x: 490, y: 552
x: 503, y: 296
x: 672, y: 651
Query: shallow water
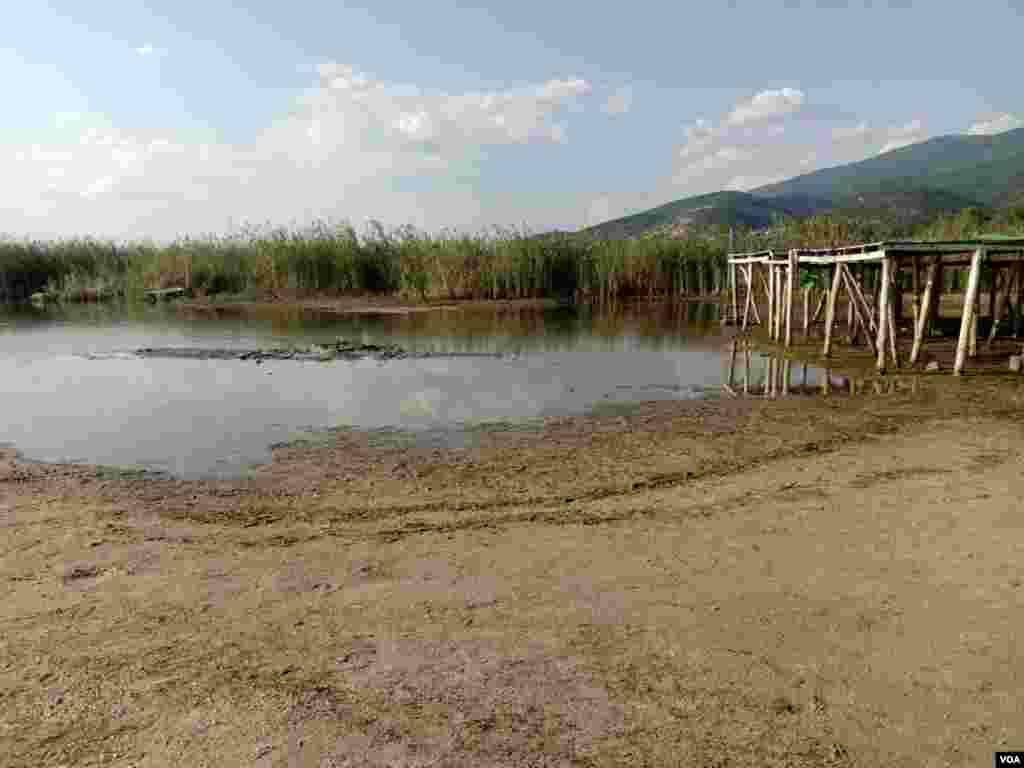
x: 217, y: 417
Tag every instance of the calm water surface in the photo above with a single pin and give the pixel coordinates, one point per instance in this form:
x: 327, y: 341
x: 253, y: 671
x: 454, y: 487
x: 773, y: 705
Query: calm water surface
x: 217, y: 417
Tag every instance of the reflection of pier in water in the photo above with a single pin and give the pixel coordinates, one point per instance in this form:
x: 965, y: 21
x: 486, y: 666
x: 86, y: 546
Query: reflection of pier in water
x: 754, y: 373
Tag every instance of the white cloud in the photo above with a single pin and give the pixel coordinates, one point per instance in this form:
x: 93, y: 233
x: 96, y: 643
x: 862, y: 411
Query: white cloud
x: 766, y: 105
x: 993, y: 124
x: 911, y: 133
x: 620, y: 102
x: 146, y: 50
x: 343, y: 151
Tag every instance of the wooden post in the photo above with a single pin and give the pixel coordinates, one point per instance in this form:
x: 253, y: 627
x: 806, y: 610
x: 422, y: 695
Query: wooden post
x: 732, y: 286
x: 883, y: 311
x: 732, y: 362
x: 790, y: 293
x: 785, y: 377
x: 928, y: 306
x: 830, y: 313
x: 780, y: 300
x: 747, y: 273
x: 972, y: 349
x: 820, y: 307
x: 771, y: 301
x: 892, y: 333
x: 769, y: 377
x: 967, y: 318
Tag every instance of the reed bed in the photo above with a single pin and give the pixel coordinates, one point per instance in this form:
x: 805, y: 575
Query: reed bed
x: 333, y: 260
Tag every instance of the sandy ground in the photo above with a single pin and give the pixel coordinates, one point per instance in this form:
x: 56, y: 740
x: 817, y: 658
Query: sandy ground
x: 793, y: 582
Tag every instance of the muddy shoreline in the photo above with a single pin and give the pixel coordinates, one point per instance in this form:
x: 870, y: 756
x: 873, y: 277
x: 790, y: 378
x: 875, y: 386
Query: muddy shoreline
x: 802, y: 582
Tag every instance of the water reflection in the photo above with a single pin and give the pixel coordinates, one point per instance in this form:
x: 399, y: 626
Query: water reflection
x: 754, y: 373
x: 203, y: 417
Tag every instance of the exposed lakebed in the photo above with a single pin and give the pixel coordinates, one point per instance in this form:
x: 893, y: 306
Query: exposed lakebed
x: 208, y: 395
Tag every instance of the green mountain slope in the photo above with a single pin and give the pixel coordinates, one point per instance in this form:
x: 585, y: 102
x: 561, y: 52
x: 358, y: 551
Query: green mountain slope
x: 906, y: 187
x: 716, y: 208
x: 975, y: 167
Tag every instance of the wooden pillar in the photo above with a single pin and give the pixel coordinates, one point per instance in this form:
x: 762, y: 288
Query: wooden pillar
x: 967, y: 317
x: 785, y: 376
x: 927, y: 307
x: 771, y: 300
x: 893, y: 329
x: 883, y: 311
x: 735, y: 298
x: 830, y: 312
x: 972, y: 348
x: 790, y: 294
x: 748, y: 275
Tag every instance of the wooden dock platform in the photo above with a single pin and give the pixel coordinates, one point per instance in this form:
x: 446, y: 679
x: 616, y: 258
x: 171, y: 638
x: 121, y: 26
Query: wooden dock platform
x: 873, y: 277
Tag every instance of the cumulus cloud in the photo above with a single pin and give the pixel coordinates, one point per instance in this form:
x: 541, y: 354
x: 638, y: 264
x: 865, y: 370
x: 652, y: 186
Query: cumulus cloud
x: 993, y: 124
x: 620, y: 102
x: 767, y: 105
x: 904, y: 135
x: 343, y: 151
x: 773, y: 136
x: 146, y: 50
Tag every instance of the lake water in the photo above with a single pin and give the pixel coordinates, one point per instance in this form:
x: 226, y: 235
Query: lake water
x: 217, y: 417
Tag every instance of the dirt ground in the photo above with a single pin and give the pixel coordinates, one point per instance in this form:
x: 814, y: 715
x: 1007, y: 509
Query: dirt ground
x: 804, y: 581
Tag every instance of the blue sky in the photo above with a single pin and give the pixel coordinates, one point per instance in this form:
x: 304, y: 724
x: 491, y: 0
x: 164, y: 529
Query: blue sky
x: 132, y: 119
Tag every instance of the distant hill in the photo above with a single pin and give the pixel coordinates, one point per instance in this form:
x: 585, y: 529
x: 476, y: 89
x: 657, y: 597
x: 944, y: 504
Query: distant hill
x: 716, y: 208
x: 906, y: 186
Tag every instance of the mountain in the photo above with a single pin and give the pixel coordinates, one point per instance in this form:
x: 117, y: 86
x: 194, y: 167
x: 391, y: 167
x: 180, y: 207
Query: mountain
x: 975, y: 167
x: 716, y: 208
x: 905, y: 187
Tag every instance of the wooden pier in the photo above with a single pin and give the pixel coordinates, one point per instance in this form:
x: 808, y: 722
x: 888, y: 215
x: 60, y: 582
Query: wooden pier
x: 872, y: 277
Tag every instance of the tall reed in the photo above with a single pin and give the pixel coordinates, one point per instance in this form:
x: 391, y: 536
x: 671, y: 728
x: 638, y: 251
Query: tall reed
x: 325, y: 259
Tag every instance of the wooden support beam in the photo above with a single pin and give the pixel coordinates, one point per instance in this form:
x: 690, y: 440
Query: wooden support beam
x: 780, y: 301
x: 883, y: 312
x: 972, y: 348
x: 750, y: 294
x: 735, y: 298
x: 785, y: 376
x: 771, y: 302
x: 792, y: 272
x: 830, y: 313
x: 893, y: 327
x: 924, y: 316
x: 820, y: 307
x: 967, y: 317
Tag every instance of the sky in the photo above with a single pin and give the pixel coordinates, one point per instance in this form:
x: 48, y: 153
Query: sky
x: 129, y: 119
